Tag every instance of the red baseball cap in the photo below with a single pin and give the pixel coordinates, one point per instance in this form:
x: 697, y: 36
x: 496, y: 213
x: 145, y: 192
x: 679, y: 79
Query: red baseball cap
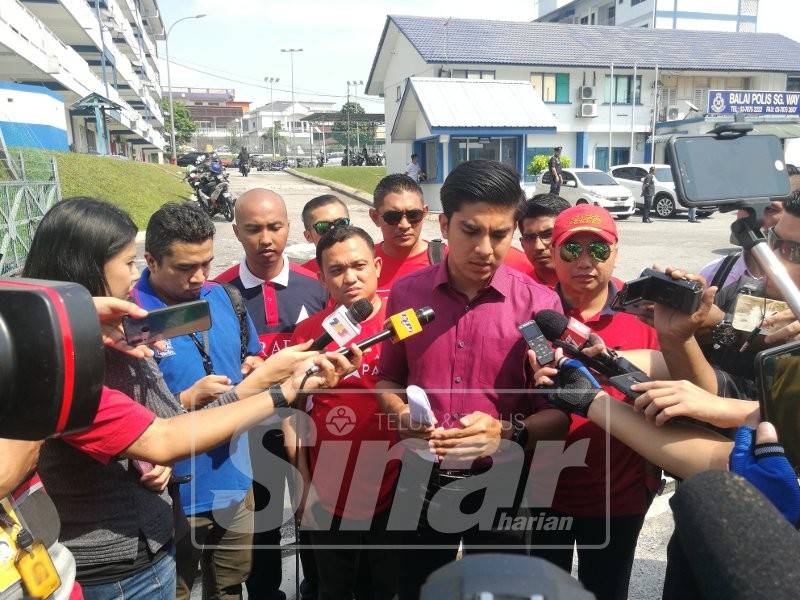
x: 585, y: 217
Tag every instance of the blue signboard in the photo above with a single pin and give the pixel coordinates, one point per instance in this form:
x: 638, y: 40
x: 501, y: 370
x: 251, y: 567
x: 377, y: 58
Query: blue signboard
x: 751, y: 102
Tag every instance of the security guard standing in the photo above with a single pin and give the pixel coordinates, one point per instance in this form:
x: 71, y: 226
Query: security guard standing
x: 556, y: 176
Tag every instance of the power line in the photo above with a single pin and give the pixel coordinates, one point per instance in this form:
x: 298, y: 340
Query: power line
x: 254, y: 83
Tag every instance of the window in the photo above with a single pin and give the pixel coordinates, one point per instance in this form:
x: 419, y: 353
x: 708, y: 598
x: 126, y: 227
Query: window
x: 623, y: 93
x: 584, y: 20
x: 629, y: 173
x: 592, y: 19
x: 553, y: 87
x: 472, y: 74
x: 500, y: 149
x: 430, y: 162
x: 793, y: 83
x: 635, y: 2
x: 612, y: 14
x: 619, y: 156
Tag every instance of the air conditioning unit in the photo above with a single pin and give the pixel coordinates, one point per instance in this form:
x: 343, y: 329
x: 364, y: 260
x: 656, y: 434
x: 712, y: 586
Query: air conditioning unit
x: 589, y: 110
x: 586, y: 92
x: 673, y: 113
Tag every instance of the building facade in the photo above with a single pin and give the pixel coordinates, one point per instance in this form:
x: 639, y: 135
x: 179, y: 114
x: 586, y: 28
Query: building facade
x: 533, y: 86
x: 308, y: 136
x: 701, y: 15
x: 78, y: 48
x: 215, y: 111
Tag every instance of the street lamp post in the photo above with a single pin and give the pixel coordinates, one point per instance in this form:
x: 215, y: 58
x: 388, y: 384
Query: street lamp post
x: 271, y: 81
x: 355, y: 85
x: 347, y: 150
x: 291, y: 52
x: 169, y: 85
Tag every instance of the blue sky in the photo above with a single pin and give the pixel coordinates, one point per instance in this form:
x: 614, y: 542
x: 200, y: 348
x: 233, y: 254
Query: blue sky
x: 241, y: 40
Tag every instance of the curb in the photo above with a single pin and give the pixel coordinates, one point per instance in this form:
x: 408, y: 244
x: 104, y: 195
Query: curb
x: 341, y: 188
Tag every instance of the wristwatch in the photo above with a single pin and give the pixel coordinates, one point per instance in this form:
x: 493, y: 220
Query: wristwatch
x: 520, y: 433
x: 278, y: 399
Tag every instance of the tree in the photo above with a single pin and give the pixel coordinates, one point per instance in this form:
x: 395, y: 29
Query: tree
x: 184, y: 125
x: 540, y: 161
x: 280, y: 141
x: 361, y: 131
x: 234, y: 135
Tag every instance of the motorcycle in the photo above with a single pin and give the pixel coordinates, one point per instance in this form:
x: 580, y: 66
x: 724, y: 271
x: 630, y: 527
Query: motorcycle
x: 244, y: 168
x: 213, y: 191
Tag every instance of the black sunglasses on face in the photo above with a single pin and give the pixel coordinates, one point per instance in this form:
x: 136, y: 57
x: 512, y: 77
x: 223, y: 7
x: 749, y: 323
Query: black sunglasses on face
x: 323, y: 227
x: 393, y: 217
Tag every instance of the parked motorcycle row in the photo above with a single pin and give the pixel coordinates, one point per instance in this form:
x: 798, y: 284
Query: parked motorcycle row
x: 209, y: 180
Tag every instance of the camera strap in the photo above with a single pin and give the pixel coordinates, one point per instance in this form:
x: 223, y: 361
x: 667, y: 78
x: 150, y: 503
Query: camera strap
x: 203, y: 349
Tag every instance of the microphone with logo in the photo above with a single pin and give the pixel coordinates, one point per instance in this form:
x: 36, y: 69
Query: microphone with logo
x: 397, y: 328
x: 573, y: 336
x: 342, y: 325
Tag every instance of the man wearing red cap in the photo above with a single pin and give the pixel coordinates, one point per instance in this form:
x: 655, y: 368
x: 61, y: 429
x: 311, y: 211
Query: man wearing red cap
x: 613, y: 482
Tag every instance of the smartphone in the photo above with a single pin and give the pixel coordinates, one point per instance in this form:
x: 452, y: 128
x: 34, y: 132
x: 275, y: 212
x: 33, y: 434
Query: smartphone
x: 778, y: 378
x: 169, y: 322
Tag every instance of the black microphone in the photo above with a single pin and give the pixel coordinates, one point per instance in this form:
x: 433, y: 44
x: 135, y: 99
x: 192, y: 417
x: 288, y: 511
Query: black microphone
x: 735, y: 544
x: 396, y: 328
x: 573, y: 336
x: 360, y: 311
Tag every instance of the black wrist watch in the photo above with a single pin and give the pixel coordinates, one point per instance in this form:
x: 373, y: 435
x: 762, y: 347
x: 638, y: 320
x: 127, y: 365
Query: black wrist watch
x: 520, y: 434
x: 278, y: 398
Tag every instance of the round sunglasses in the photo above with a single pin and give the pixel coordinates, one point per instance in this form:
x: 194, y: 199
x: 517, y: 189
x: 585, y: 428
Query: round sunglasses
x: 598, y: 251
x: 323, y: 227
x: 393, y: 217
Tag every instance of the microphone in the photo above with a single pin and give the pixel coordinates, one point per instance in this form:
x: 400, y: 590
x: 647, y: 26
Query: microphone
x: 396, y: 328
x: 735, y: 544
x: 573, y: 336
x: 344, y: 323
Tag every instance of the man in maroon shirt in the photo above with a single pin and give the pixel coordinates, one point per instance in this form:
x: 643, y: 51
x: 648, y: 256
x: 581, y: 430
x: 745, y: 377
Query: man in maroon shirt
x: 471, y: 359
x: 536, y: 228
x: 618, y: 483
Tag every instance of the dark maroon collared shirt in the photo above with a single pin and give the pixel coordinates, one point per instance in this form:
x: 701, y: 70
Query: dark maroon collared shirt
x: 472, y: 356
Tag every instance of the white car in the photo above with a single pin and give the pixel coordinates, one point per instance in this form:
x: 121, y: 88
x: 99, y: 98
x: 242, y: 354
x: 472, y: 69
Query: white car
x: 591, y: 186
x: 664, y: 203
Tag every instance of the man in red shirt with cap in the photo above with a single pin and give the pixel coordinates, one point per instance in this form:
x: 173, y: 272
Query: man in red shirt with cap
x: 619, y: 483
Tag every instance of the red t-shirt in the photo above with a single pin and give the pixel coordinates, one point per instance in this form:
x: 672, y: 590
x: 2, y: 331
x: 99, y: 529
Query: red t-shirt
x: 311, y: 266
x: 582, y: 491
x: 516, y: 259
x: 118, y: 423
x: 393, y: 268
x: 351, y: 429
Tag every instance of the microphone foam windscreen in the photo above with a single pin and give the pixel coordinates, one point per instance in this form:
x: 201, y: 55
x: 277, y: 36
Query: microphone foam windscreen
x: 425, y: 315
x: 361, y: 310
x: 738, y: 545
x: 551, y: 323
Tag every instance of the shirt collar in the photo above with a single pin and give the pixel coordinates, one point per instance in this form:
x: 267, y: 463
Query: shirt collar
x: 604, y: 312
x: 145, y: 296
x: 250, y: 281
x: 501, y: 280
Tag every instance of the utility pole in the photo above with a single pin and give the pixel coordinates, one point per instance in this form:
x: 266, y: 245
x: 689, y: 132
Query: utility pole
x: 347, y: 151
x: 291, y: 52
x: 271, y: 81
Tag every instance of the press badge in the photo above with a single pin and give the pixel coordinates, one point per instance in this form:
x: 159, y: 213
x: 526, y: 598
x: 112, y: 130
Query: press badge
x: 39, y: 576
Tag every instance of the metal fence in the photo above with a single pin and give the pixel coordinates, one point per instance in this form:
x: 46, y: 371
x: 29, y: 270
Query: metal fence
x: 29, y: 187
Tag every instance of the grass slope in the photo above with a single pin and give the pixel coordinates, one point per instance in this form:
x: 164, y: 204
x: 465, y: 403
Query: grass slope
x: 138, y: 188
x: 361, y: 178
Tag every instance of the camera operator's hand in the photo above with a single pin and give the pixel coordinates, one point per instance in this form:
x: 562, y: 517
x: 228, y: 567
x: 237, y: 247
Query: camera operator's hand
x: 110, y: 312
x: 664, y: 400
x: 674, y: 325
x: 758, y: 457
x: 203, y: 391
x: 789, y: 327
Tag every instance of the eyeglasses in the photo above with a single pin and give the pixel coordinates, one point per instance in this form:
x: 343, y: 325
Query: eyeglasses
x: 785, y: 248
x: 413, y: 216
x: 529, y: 238
x: 598, y: 251
x: 323, y: 227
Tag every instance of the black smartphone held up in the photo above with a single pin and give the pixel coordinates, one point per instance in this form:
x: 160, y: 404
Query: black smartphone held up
x: 778, y: 378
x: 537, y: 342
x: 169, y: 322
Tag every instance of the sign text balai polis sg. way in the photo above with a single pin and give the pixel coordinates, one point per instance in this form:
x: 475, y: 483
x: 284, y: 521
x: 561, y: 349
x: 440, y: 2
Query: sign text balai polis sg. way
x: 731, y: 102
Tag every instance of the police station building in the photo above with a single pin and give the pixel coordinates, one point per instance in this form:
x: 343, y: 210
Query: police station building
x: 458, y: 89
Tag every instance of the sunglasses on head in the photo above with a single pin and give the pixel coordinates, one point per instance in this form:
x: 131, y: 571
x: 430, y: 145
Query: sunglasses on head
x: 323, y: 227
x: 393, y: 217
x: 598, y: 251
x: 784, y: 248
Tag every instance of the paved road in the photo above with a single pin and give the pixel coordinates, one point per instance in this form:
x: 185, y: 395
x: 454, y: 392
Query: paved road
x: 665, y: 242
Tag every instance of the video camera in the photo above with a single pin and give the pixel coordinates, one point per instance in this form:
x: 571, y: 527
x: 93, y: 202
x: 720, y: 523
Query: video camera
x: 51, y: 358
x: 658, y: 287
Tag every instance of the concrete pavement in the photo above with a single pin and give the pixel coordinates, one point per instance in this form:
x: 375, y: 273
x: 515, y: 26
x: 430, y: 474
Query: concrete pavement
x: 671, y: 242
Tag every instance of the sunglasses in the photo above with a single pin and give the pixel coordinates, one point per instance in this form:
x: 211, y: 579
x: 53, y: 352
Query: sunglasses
x: 529, y: 238
x: 598, y: 251
x: 323, y: 227
x: 413, y: 216
x: 785, y: 248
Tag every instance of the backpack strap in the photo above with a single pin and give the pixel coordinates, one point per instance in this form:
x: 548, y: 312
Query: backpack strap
x: 235, y: 296
x: 435, y: 251
x: 724, y: 270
